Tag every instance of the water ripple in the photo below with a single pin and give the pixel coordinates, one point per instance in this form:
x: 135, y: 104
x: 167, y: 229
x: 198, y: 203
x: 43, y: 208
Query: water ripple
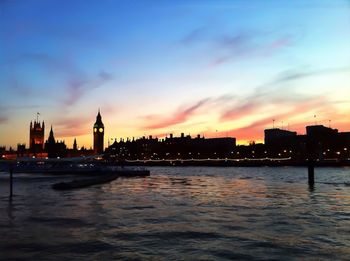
x: 181, y: 214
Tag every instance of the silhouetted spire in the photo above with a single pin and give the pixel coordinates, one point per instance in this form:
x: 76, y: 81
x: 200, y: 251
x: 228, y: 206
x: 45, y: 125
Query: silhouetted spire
x: 98, y: 131
x: 51, y: 138
x: 99, y: 118
x: 75, y: 146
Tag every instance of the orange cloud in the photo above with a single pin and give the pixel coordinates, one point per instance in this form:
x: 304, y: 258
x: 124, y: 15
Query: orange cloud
x: 241, y: 111
x: 255, y: 129
x: 72, y: 127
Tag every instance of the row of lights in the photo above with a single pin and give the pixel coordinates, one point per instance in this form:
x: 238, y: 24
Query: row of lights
x: 209, y: 159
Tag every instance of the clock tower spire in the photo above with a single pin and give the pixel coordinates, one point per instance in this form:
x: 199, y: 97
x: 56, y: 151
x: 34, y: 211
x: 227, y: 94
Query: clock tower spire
x: 98, y: 131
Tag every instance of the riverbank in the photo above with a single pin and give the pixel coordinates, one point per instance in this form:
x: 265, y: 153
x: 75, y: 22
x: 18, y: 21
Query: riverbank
x: 4, y: 165
x: 235, y: 163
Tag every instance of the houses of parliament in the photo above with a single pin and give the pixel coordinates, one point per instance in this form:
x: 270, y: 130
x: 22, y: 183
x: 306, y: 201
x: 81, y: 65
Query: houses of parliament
x: 53, y: 148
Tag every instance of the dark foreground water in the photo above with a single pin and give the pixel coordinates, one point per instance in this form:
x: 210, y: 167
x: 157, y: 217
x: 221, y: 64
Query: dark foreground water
x: 181, y: 214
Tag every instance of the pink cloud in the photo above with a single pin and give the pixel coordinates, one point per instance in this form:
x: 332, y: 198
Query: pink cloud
x: 241, y: 111
x: 72, y: 127
x: 178, y: 117
x: 255, y: 129
x: 277, y: 44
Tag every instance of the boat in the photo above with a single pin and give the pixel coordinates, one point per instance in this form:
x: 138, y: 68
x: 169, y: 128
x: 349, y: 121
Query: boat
x: 99, y: 179
x: 82, y: 183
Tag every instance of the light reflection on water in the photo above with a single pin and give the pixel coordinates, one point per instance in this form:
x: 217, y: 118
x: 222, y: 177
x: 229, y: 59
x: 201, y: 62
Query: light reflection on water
x: 181, y: 214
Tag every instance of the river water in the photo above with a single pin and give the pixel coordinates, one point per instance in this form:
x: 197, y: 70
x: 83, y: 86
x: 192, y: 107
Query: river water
x: 181, y: 213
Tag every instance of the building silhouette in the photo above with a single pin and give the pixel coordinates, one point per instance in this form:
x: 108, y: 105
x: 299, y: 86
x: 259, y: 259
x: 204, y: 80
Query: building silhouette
x: 278, y: 137
x: 319, y: 144
x: 75, y: 145
x: 98, y: 132
x: 36, y: 136
x: 55, y: 148
x: 183, y: 147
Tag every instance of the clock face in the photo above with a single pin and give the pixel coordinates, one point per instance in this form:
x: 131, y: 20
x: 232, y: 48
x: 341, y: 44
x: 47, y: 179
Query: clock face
x: 101, y: 130
x: 95, y: 129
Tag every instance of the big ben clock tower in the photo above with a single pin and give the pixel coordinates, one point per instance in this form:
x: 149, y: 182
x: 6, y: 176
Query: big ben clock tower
x: 99, y: 131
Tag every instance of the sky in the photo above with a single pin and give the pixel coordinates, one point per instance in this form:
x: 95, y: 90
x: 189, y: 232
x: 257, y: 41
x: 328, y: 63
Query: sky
x: 215, y: 68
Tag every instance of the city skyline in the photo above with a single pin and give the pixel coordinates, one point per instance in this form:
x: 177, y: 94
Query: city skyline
x: 219, y: 69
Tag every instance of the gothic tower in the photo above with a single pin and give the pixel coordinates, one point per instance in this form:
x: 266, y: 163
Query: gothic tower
x: 50, y: 145
x: 36, y: 136
x: 55, y: 148
x: 75, y: 145
x: 99, y: 131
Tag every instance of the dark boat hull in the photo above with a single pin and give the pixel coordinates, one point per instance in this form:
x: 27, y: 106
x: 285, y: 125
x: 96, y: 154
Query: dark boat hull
x: 100, y: 179
x: 82, y: 183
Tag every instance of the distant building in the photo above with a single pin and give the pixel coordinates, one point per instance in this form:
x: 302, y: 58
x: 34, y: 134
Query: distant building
x: 344, y: 138
x: 98, y: 131
x: 2, y: 151
x: 183, y: 147
x: 319, y: 143
x: 55, y: 149
x: 21, y: 150
x: 327, y: 142
x: 75, y: 152
x: 278, y: 137
x: 36, y: 137
x: 322, y: 136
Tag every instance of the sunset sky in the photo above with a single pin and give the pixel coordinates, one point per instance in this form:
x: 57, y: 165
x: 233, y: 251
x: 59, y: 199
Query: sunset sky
x: 218, y: 68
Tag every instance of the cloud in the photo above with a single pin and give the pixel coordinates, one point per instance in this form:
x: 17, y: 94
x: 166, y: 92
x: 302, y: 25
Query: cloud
x: 78, y: 86
x: 47, y: 62
x: 255, y: 129
x: 77, y: 83
x: 72, y: 126
x: 236, y: 42
x: 271, y: 95
x: 229, y: 47
x: 178, y: 117
x: 281, y: 104
x: 277, y: 44
x: 3, y: 119
x: 105, y: 76
x: 76, y: 89
x: 18, y: 88
x: 196, y: 35
x: 257, y: 102
x: 293, y: 75
x: 273, y: 87
x: 241, y: 111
